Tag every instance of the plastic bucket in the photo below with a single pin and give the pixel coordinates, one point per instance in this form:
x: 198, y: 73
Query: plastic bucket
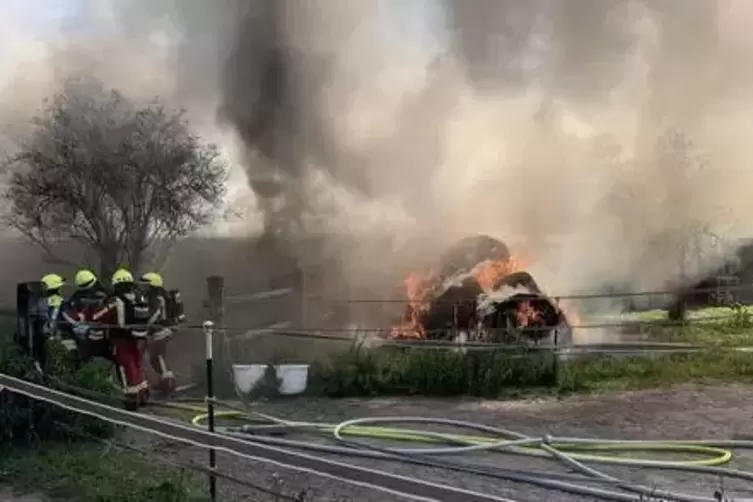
x: 247, y: 376
x: 293, y: 378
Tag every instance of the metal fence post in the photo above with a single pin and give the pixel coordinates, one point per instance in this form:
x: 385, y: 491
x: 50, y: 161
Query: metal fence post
x: 216, y: 299
x: 208, y: 332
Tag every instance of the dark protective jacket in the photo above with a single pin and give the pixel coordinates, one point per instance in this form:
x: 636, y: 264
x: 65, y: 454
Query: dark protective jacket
x: 44, y: 314
x: 158, y: 298
x: 127, y: 311
x: 80, y: 307
x: 167, y: 306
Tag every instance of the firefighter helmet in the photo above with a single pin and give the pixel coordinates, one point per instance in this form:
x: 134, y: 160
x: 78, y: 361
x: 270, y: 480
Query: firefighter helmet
x: 122, y: 276
x: 85, y: 278
x: 52, y: 282
x: 153, y: 279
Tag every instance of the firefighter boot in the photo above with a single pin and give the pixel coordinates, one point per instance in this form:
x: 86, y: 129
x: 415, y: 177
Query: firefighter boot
x: 143, y: 393
x: 167, y: 381
x: 130, y: 393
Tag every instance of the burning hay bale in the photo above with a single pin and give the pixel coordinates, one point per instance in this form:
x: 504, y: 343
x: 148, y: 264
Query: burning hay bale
x: 480, y: 291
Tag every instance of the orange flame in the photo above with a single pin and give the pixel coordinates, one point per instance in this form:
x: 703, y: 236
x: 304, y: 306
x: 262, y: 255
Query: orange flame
x: 490, y: 273
x: 527, y: 315
x: 419, y: 288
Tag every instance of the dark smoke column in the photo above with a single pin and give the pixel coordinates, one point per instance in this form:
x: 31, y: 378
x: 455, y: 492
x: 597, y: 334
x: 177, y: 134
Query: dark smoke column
x: 257, y: 102
x: 281, y: 61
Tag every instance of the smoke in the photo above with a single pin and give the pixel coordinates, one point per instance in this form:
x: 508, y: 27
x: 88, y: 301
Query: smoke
x: 584, y: 134
x: 604, y: 140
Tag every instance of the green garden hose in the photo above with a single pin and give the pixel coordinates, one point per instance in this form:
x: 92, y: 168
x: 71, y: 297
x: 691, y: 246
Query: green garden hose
x: 706, y: 456
x: 711, y: 455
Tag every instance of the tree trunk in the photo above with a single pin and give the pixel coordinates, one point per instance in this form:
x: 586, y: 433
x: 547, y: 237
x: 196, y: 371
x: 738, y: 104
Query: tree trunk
x: 108, y: 263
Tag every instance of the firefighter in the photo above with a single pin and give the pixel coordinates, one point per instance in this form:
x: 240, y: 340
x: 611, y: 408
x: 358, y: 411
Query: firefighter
x: 127, y: 313
x: 163, y: 319
x: 77, y: 312
x: 44, y: 315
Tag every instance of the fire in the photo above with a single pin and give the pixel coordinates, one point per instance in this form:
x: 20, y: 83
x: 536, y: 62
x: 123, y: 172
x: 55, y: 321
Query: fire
x: 420, y: 289
x: 417, y: 289
x: 527, y: 315
x: 419, y: 286
x: 491, y: 272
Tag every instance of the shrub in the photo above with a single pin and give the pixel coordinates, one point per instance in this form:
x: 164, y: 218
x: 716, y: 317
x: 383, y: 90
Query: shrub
x: 27, y: 420
x: 435, y: 372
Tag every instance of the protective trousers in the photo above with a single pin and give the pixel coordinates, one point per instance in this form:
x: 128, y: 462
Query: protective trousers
x: 157, y: 348
x: 128, y: 353
x: 158, y: 357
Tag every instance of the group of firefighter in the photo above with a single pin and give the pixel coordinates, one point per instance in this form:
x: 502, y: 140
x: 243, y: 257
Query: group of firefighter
x: 120, y: 323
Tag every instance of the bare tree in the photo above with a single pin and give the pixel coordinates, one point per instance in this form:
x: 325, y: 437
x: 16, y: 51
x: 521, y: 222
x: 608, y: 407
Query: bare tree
x: 118, y: 178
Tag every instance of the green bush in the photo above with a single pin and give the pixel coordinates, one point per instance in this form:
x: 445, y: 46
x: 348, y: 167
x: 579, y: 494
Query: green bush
x: 26, y: 420
x: 435, y: 372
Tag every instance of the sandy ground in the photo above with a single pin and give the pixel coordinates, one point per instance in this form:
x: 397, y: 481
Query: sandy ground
x: 681, y: 413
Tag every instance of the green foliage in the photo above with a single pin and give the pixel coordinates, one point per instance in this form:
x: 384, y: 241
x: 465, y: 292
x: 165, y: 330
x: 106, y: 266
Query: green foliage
x: 409, y: 371
x: 92, y: 473
x: 44, y: 448
x: 713, y: 327
x: 26, y: 420
x: 607, y: 373
x: 391, y: 371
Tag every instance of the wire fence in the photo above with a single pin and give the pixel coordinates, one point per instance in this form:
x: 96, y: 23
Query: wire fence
x: 242, y: 476
x: 247, y: 466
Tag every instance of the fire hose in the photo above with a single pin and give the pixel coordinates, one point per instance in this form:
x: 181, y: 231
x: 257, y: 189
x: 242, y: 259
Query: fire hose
x: 573, y: 452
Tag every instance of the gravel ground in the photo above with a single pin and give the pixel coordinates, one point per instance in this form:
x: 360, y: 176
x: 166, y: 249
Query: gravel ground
x: 681, y: 413
x: 9, y: 495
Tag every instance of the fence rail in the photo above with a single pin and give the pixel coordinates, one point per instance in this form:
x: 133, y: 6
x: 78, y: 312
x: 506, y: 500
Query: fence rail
x: 283, y: 292
x: 391, y: 484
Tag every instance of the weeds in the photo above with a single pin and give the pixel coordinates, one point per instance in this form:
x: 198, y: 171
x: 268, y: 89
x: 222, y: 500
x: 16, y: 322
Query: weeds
x: 89, y: 472
x: 41, y: 447
x: 514, y: 371
x: 409, y: 371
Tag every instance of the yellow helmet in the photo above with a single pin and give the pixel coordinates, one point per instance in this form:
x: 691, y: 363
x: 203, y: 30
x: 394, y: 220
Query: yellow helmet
x: 153, y: 279
x: 122, y: 276
x: 52, y: 281
x: 85, y: 278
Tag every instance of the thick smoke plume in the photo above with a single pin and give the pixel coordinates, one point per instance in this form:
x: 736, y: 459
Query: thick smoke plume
x: 584, y: 132
x: 605, y: 140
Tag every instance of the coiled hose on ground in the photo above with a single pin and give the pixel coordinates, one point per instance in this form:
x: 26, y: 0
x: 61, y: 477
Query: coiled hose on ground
x: 574, y: 453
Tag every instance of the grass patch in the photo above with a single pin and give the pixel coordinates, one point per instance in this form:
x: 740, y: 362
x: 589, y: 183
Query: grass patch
x: 517, y: 371
x: 611, y: 374
x: 495, y: 374
x: 90, y: 472
x: 710, y: 327
x: 40, y: 444
x: 431, y: 372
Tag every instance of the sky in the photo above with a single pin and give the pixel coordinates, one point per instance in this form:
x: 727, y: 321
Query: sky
x: 28, y: 26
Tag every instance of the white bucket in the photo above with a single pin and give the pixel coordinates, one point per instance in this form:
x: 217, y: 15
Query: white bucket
x: 247, y: 376
x: 293, y: 378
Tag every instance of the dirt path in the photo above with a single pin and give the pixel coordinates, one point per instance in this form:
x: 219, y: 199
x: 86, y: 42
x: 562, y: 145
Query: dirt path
x: 682, y: 413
